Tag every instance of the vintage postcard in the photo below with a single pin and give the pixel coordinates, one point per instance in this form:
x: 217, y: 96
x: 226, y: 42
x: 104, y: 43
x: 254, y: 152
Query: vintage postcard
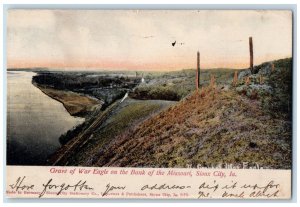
x: 150, y: 104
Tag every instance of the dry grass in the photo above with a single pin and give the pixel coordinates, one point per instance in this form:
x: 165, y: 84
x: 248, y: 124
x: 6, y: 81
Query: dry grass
x: 206, y: 128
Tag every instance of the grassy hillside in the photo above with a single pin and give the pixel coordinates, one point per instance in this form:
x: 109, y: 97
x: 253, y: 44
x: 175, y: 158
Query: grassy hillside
x: 219, y: 127
x: 249, y: 122
x: 129, y: 113
x: 222, y: 125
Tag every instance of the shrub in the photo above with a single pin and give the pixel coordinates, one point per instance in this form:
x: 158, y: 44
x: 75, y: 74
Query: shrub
x: 155, y: 92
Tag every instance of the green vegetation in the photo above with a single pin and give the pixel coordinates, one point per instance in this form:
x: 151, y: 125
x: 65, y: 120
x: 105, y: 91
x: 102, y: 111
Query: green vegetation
x: 215, y: 126
x: 128, y: 114
x: 156, y: 93
x: 227, y: 124
x: 275, y: 91
x: 100, y: 85
x: 219, y: 127
x: 280, y: 80
x: 176, y: 85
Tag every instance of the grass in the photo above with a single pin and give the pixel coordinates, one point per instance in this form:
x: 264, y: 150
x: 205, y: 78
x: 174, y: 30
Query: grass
x: 224, y: 128
x: 128, y: 114
x: 178, y: 84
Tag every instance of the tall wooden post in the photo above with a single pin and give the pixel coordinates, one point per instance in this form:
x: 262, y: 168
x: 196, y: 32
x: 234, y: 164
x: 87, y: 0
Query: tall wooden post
x: 251, y: 54
x: 198, y: 71
x: 235, y: 78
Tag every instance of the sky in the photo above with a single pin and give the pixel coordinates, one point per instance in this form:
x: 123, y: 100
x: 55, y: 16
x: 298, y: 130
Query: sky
x: 142, y: 39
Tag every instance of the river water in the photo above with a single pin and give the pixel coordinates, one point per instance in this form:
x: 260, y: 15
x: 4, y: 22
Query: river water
x: 34, y: 121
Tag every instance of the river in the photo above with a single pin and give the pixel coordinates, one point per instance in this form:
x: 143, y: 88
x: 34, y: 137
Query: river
x: 34, y: 121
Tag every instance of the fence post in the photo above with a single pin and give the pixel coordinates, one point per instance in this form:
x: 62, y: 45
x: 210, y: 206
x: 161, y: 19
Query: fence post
x: 198, y: 72
x: 235, y: 78
x: 251, y: 54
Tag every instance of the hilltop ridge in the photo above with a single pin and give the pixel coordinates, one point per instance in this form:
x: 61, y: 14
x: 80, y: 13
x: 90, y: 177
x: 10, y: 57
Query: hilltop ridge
x: 214, y: 126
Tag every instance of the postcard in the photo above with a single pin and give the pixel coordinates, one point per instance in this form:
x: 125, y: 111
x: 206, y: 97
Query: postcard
x: 149, y: 104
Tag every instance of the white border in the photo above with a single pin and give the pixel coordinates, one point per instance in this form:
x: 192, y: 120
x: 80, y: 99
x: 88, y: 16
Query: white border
x: 142, y: 2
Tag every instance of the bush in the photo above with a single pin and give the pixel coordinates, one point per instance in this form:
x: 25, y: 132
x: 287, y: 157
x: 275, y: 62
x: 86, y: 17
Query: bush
x: 155, y: 93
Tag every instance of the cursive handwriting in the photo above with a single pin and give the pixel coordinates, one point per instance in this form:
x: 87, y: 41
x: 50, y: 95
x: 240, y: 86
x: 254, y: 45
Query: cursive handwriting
x: 80, y: 185
x: 233, y: 195
x: 18, y: 185
x: 264, y: 188
x: 214, y: 187
x: 233, y: 189
x: 111, y: 188
x: 164, y: 187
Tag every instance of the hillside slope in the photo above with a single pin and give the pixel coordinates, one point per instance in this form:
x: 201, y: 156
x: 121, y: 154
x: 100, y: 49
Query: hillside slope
x: 214, y: 127
x: 220, y: 128
x: 121, y: 117
x: 247, y: 122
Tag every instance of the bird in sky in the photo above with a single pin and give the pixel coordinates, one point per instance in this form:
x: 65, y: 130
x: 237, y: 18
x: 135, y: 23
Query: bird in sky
x: 180, y: 43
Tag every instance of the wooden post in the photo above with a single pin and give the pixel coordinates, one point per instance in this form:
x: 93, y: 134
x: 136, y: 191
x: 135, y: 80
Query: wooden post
x: 235, y: 78
x: 198, y: 72
x: 251, y: 54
